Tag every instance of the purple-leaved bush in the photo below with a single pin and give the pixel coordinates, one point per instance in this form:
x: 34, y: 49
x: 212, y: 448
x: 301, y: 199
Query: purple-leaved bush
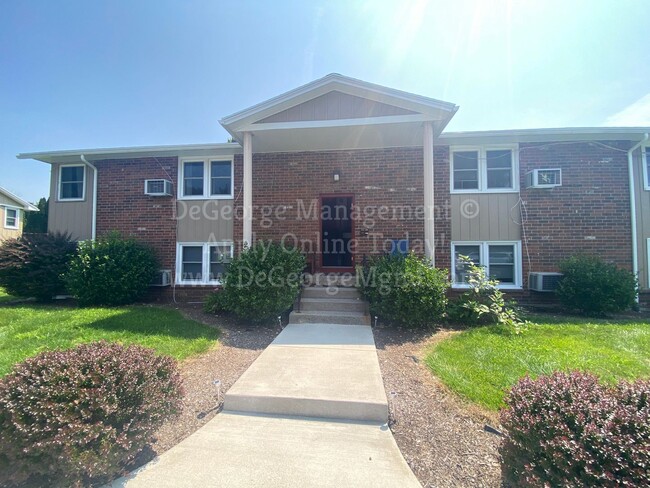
x: 567, y: 429
x: 69, y: 416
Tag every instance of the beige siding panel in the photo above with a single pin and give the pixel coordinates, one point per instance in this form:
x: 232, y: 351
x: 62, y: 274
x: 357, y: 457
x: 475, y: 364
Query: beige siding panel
x: 494, y: 221
x: 333, y: 106
x: 74, y: 218
x: 204, y: 220
x: 642, y: 218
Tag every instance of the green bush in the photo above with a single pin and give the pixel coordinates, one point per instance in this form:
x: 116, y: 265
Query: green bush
x: 567, y: 429
x: 33, y: 265
x: 111, y: 271
x: 484, y: 303
x: 67, y: 417
x: 404, y: 290
x: 591, y: 286
x: 261, y: 282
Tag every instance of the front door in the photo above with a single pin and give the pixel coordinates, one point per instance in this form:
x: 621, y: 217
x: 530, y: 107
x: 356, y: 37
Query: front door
x: 337, y: 231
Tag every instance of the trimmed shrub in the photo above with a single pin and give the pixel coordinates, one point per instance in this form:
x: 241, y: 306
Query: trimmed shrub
x: 592, y: 287
x: 404, y: 290
x: 69, y: 416
x: 111, y: 271
x: 567, y: 429
x: 33, y: 265
x: 484, y: 303
x: 261, y: 282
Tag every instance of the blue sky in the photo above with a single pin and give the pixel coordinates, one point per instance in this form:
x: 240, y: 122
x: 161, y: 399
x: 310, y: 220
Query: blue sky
x: 84, y: 74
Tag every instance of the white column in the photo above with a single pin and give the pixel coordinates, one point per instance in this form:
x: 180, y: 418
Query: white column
x: 429, y: 211
x: 248, y: 190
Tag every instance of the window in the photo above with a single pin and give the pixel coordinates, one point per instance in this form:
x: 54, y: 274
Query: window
x: 206, y: 178
x: 479, y: 169
x: 502, y: 261
x: 11, y: 218
x: 203, y: 263
x: 72, y: 180
x: 645, y: 156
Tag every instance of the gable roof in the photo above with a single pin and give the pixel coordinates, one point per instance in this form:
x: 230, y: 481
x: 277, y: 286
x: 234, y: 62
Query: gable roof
x: 373, y: 116
x: 21, y: 203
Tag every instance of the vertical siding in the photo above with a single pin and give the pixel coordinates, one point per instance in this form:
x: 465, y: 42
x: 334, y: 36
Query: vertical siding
x: 485, y: 217
x: 204, y: 220
x: 642, y: 198
x: 71, y: 217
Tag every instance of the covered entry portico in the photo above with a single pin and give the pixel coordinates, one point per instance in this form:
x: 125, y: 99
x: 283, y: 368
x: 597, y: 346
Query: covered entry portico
x: 337, y: 113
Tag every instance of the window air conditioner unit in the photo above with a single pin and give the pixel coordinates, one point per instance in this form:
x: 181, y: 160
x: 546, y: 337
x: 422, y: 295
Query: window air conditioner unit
x: 158, y: 188
x: 545, y: 282
x: 163, y: 278
x: 544, y: 178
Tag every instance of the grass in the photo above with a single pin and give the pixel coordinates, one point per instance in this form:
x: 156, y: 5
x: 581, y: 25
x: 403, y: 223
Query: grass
x: 26, y: 330
x: 481, y: 364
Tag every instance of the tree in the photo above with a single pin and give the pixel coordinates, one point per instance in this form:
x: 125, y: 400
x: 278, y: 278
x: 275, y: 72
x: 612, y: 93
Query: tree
x: 36, y: 222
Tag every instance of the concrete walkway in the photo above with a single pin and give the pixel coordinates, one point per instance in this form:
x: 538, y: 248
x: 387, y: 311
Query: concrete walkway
x: 310, y: 411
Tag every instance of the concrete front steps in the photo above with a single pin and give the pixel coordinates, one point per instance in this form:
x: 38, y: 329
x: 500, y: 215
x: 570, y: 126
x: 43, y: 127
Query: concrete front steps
x: 330, y: 305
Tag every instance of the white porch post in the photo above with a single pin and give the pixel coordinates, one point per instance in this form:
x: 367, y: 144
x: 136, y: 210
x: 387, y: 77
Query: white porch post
x: 429, y: 211
x: 248, y: 190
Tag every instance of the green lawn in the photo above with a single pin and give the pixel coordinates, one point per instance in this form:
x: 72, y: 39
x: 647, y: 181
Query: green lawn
x: 481, y: 364
x: 28, y: 330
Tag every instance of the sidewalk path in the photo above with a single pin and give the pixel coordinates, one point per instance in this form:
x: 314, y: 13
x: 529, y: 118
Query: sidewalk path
x: 310, y: 412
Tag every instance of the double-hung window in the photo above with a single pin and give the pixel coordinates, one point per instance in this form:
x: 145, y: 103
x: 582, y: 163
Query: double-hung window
x: 501, y: 260
x: 202, y: 263
x: 206, y: 178
x: 72, y: 182
x: 11, y: 218
x: 483, y: 169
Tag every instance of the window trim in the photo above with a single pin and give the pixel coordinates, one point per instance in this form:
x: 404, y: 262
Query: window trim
x: 482, y: 168
x: 207, y: 178
x: 17, y: 209
x: 205, y: 261
x: 484, y: 253
x: 83, y: 183
x: 644, y: 163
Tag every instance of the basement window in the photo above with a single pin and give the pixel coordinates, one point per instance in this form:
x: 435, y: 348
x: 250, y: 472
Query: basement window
x: 202, y: 263
x: 502, y: 261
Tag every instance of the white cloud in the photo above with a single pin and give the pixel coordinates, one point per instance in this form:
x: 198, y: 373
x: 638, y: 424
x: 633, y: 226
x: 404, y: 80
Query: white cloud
x: 636, y: 114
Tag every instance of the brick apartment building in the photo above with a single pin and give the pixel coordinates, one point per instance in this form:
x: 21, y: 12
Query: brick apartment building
x: 345, y: 169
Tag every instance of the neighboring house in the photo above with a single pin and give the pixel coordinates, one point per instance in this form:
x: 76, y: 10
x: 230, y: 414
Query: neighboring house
x: 345, y: 169
x: 12, y: 213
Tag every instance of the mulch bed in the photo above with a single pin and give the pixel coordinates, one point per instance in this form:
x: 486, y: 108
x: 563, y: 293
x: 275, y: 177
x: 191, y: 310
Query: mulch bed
x: 441, y: 437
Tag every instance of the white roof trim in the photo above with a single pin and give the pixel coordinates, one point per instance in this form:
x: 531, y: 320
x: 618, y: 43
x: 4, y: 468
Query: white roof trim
x: 335, y: 81
x: 125, y: 152
x: 25, y: 204
x: 548, y: 134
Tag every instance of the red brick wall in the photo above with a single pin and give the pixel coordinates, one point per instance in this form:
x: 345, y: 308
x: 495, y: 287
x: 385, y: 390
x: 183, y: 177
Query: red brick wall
x: 589, y: 213
x: 387, y: 180
x: 123, y: 206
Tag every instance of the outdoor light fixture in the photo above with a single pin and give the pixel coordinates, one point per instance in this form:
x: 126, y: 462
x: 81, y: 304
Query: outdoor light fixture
x: 337, y: 175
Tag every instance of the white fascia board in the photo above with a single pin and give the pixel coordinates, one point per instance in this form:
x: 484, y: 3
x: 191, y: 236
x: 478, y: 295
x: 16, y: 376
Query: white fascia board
x: 25, y: 205
x: 128, y: 152
x: 331, y: 82
x: 542, y: 135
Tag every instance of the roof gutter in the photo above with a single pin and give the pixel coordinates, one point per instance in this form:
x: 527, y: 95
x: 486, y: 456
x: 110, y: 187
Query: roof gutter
x: 630, y: 171
x: 94, y: 220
